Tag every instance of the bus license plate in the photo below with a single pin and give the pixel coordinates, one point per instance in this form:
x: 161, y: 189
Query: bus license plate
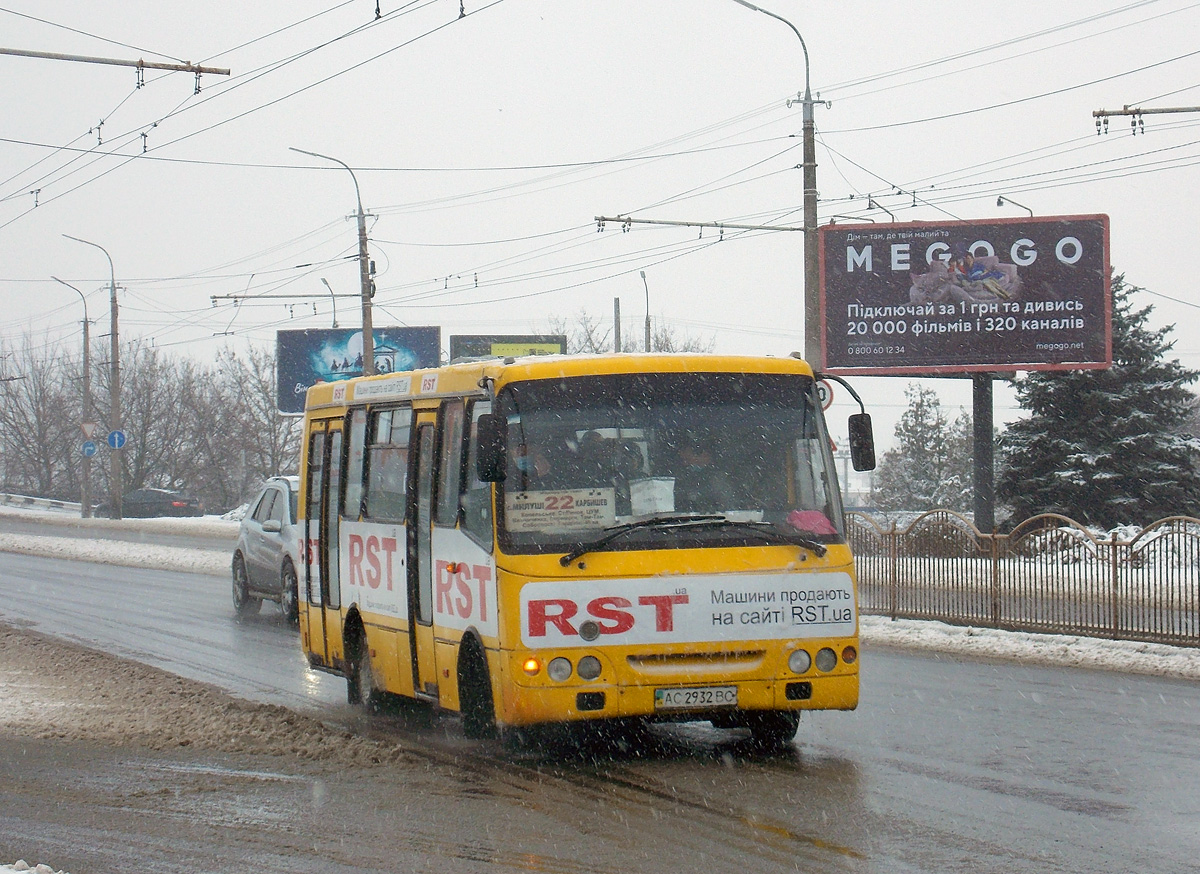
x: 686, y: 699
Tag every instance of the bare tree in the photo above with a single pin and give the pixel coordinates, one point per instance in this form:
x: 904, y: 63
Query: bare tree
x: 39, y: 415
x: 588, y: 333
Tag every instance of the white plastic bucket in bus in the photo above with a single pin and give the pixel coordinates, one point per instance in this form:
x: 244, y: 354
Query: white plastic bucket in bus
x: 654, y: 494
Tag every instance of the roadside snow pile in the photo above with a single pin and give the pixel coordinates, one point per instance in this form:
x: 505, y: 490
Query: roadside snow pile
x: 22, y: 865
x: 201, y: 561
x: 1053, y: 650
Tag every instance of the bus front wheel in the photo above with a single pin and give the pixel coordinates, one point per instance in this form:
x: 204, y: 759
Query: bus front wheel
x: 475, y: 693
x: 360, y: 681
x: 772, y: 728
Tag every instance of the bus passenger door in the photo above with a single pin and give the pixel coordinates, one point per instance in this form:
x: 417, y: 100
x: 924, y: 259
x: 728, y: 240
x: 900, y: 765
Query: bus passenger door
x: 420, y: 564
x: 322, y: 631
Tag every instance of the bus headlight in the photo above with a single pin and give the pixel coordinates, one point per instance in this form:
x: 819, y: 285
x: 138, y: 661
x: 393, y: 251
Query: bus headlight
x: 799, y: 662
x: 589, y: 668
x: 826, y: 659
x: 559, y: 669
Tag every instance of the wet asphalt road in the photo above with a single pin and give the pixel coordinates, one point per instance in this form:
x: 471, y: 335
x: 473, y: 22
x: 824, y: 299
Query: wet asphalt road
x: 948, y: 765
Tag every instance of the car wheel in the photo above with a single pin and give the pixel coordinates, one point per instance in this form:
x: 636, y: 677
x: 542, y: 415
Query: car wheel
x: 244, y: 604
x: 289, y: 594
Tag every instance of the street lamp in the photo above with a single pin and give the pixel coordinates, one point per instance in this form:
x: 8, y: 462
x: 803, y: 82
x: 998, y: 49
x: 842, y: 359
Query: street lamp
x: 114, y: 387
x: 812, y: 303
x: 364, y: 269
x: 85, y: 492
x: 1001, y: 200
x: 645, y: 283
x: 333, y: 300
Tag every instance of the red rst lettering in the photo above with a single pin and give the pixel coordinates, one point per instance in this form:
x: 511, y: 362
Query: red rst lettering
x: 389, y: 550
x: 664, y: 609
x: 463, y: 602
x: 606, y: 609
x: 373, y: 576
x: 441, y: 586
x: 354, y: 560
x: 483, y: 576
x: 539, y: 616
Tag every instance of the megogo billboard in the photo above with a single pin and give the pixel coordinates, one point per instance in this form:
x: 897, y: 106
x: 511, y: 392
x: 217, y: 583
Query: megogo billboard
x: 328, y: 354
x: 938, y: 297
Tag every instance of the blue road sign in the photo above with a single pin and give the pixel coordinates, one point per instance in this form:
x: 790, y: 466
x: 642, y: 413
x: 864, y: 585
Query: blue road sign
x: 116, y: 439
x: 89, y: 448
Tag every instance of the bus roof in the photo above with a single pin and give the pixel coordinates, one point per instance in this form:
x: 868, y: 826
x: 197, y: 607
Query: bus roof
x: 467, y: 377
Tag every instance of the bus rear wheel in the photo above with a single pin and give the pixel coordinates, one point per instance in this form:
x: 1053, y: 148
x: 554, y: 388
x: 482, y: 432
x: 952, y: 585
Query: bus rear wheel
x: 771, y: 729
x: 475, y: 694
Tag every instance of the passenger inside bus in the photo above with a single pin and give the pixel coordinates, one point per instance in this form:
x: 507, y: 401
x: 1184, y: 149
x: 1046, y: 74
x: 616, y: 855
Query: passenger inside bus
x: 700, y: 485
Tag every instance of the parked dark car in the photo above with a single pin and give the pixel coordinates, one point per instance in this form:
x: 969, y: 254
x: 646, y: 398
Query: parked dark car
x: 147, y: 503
x: 268, y: 550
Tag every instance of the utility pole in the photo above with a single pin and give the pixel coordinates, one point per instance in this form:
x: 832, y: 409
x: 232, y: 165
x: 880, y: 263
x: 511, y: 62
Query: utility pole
x: 85, y: 492
x: 812, y: 272
x: 647, y: 284
x: 364, y: 269
x: 139, y: 64
x: 116, y: 486
x: 616, y: 324
x: 1135, y: 114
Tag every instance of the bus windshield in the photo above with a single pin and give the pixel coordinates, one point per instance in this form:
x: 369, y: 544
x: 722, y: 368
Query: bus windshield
x: 588, y: 454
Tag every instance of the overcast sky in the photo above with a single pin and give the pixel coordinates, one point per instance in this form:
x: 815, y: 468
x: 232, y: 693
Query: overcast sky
x: 486, y: 136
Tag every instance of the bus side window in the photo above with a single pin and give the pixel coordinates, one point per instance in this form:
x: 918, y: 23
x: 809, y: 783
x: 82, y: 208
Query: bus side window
x: 356, y: 449
x: 387, y: 464
x: 450, y: 463
x: 476, y: 494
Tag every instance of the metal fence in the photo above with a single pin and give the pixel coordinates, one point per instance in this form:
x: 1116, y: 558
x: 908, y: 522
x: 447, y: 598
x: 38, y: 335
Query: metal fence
x: 1050, y: 575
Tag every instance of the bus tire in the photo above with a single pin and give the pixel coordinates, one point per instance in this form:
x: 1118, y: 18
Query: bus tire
x: 771, y: 729
x: 360, y: 681
x: 289, y: 594
x: 244, y: 604
x: 475, y: 700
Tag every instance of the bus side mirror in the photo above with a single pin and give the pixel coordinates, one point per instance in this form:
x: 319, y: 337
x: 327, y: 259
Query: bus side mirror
x: 490, y: 431
x: 862, y: 441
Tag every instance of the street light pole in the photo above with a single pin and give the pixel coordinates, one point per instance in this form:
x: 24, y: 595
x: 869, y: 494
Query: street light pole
x: 645, y: 283
x: 332, y: 299
x: 85, y: 491
x: 364, y: 268
x: 812, y: 303
x: 114, y: 387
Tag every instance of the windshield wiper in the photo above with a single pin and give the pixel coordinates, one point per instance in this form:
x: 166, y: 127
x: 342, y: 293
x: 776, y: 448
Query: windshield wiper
x: 683, y: 520
x: 694, y: 520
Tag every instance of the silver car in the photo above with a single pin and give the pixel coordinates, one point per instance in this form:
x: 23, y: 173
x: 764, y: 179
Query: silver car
x: 268, y: 551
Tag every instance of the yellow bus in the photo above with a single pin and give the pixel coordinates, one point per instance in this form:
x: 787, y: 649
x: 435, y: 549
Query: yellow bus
x: 562, y: 538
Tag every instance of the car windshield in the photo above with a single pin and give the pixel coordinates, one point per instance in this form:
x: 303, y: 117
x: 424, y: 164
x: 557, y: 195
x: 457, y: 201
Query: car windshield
x: 589, y: 453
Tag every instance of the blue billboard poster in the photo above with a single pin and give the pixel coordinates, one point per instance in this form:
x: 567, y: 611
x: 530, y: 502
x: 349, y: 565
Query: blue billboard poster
x: 974, y: 296
x: 307, y: 357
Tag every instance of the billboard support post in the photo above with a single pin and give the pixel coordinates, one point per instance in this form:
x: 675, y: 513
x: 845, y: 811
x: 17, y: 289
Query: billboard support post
x: 985, y: 467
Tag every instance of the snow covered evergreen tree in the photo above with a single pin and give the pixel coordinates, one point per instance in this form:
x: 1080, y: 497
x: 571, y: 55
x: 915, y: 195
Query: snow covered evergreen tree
x: 930, y: 468
x: 1106, y: 447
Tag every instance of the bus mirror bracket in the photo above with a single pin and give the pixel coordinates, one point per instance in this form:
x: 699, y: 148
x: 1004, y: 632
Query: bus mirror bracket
x: 491, y: 430
x: 862, y: 435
